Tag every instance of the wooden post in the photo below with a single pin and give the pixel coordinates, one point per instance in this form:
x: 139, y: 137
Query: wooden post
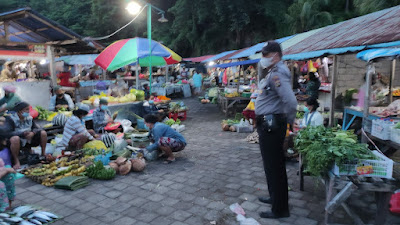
x: 392, y: 75
x: 333, y: 91
x: 329, y: 182
x: 370, y: 72
x: 382, y: 206
x: 291, y: 64
x: 52, y: 64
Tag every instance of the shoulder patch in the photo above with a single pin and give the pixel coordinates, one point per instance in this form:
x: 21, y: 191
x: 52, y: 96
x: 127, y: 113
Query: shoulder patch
x: 276, y: 81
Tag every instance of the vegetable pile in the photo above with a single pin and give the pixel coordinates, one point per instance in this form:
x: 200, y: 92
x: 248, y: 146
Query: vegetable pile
x: 98, y: 171
x: 322, y: 147
x: 43, y: 113
x: 171, y: 122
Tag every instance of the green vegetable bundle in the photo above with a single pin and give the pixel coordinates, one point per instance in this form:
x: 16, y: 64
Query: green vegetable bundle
x: 98, y: 171
x: 92, y: 151
x: 321, y: 147
x: 43, y: 113
x: 397, y: 126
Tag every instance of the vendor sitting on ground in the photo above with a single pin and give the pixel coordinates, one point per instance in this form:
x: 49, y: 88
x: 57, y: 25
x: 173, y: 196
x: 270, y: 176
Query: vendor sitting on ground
x: 311, y: 117
x: 75, y: 133
x: 10, y: 98
x: 101, y: 116
x: 164, y: 138
x: 149, y: 106
x: 60, y: 100
x: 7, y: 187
x: 24, y: 132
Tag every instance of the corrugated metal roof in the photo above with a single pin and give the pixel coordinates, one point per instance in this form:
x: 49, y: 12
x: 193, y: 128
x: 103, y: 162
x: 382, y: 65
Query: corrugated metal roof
x: 198, y: 59
x: 232, y: 54
x: 378, y: 27
x: 324, y: 52
x: 27, y: 26
x: 239, y: 63
x: 216, y: 57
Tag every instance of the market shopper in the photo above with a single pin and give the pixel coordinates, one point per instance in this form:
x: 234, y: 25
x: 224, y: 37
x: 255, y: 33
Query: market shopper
x: 24, y: 132
x: 101, y: 116
x: 75, y: 133
x: 65, y: 77
x: 197, y: 82
x: 373, y: 101
x: 275, y: 107
x: 8, y: 73
x: 313, y: 85
x: 61, y: 100
x: 164, y: 138
x: 10, y: 98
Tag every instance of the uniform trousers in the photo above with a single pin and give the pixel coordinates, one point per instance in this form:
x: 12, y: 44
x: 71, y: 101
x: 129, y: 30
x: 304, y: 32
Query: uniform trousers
x: 271, y: 146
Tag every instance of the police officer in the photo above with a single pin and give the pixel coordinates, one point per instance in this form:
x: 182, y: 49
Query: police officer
x: 275, y: 107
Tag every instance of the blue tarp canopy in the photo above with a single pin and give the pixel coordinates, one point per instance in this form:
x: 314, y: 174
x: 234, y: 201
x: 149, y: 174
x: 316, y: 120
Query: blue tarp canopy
x: 87, y: 59
x: 246, y: 62
x: 319, y: 53
x: 372, y: 54
x: 256, y: 48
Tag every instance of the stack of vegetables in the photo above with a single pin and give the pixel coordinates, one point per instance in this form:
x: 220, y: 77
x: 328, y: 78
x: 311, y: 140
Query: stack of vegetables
x: 134, y: 95
x: 171, y: 122
x: 322, y: 147
x: 177, y: 107
x: 98, y: 171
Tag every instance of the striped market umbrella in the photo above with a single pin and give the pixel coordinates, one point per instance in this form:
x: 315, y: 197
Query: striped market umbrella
x: 128, y: 51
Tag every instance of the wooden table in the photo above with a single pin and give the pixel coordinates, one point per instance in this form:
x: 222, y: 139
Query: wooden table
x: 226, y: 103
x: 339, y: 189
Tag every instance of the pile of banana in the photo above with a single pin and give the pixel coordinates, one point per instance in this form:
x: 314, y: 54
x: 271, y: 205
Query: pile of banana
x: 232, y: 95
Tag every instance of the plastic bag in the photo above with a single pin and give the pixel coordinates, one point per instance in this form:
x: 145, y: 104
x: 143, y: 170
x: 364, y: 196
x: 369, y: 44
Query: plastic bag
x: 237, y: 209
x: 126, y: 124
x: 150, y: 155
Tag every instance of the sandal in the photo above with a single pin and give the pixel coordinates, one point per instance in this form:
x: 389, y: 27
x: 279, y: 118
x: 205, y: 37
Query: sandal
x: 168, y: 161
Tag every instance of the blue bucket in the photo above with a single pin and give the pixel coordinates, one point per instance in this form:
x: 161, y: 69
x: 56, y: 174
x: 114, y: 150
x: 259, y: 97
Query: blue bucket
x: 141, y: 125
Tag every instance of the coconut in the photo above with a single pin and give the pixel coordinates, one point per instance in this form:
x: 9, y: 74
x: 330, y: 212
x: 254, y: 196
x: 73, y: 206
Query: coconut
x: 225, y: 127
x: 114, y: 165
x: 125, y: 168
x: 232, y: 128
x: 138, y: 165
x: 120, y: 160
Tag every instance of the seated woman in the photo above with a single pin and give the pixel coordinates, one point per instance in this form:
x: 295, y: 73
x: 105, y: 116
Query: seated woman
x: 311, y: 117
x: 7, y: 187
x: 24, y: 132
x: 75, y: 133
x: 164, y: 138
x: 101, y: 116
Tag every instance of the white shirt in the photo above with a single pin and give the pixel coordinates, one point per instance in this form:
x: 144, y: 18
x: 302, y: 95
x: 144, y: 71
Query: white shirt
x: 313, y: 119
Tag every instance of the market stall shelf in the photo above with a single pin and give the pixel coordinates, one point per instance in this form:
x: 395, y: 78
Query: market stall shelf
x: 230, y: 105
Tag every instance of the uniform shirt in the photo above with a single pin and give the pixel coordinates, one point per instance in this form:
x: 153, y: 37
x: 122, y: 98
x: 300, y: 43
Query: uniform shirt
x: 53, y: 101
x: 100, y: 119
x: 10, y: 101
x: 312, y: 119
x: 279, y: 99
x: 162, y: 130
x: 72, y: 127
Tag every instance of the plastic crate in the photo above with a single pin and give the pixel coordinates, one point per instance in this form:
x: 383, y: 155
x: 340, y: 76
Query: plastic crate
x: 177, y: 115
x: 382, y: 167
x: 395, y: 135
x: 244, y: 129
x: 381, y: 129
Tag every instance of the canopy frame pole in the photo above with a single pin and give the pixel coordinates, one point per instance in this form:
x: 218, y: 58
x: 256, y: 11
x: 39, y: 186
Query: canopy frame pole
x: 391, y: 81
x: 166, y: 73
x: 52, y: 64
x: 368, y: 79
x: 137, y: 74
x: 149, y: 39
x: 333, y: 91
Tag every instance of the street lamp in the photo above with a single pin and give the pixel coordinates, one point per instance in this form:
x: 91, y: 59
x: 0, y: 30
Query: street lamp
x: 134, y: 8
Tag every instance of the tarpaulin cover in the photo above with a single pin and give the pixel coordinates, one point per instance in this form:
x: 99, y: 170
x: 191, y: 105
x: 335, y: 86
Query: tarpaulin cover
x: 315, y: 54
x: 246, y: 62
x: 372, y: 54
x: 220, y: 55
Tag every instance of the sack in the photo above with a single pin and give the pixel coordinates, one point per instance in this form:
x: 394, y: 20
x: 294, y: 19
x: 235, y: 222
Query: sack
x: 270, y: 123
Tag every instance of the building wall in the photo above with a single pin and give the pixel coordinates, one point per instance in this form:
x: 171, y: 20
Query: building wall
x: 351, y: 72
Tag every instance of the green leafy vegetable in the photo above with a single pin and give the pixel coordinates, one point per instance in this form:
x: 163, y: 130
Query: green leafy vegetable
x: 98, y: 171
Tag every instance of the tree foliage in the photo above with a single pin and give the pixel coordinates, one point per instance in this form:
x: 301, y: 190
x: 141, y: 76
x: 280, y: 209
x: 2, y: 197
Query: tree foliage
x: 202, y: 26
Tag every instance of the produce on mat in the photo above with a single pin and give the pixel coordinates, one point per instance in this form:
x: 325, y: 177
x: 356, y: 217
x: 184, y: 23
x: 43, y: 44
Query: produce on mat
x: 98, y: 171
x: 322, y: 147
x: 43, y: 113
x: 95, y: 144
x: 171, y: 122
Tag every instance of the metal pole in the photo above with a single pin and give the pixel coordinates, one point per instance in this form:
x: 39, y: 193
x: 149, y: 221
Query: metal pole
x: 149, y: 37
x: 137, y: 75
x: 392, y: 75
x: 368, y: 79
x: 52, y: 64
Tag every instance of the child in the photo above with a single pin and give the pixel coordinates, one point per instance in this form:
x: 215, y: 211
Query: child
x: 249, y: 111
x: 7, y: 187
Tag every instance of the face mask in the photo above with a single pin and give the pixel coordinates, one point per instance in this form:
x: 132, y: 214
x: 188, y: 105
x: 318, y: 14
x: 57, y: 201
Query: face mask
x: 253, y: 100
x: 151, y: 102
x: 265, y: 62
x: 25, y: 114
x: 103, y: 107
x: 306, y: 110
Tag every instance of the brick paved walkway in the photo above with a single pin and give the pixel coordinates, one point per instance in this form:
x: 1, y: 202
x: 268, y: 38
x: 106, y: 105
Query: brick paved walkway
x: 215, y: 170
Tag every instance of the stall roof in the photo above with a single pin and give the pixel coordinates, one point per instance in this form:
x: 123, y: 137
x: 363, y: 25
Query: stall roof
x: 24, y: 26
x: 218, y: 56
x: 229, y: 56
x: 239, y: 63
x: 246, y: 52
x: 378, y: 27
x: 319, y: 53
x: 372, y: 54
x: 198, y: 59
x: 87, y: 59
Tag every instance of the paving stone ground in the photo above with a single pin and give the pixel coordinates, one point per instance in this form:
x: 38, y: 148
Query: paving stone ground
x: 215, y: 170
